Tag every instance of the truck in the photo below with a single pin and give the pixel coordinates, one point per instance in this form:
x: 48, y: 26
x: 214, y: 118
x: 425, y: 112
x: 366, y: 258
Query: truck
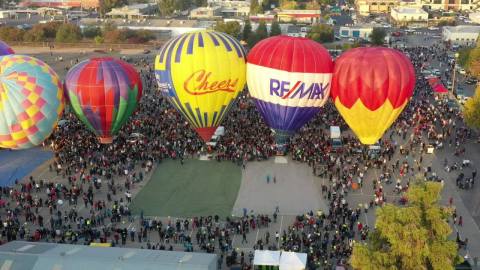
x: 336, y: 137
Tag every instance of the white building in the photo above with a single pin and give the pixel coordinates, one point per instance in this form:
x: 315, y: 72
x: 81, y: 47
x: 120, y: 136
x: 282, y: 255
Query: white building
x: 474, y: 17
x: 461, y: 34
x: 404, y: 15
x: 357, y: 31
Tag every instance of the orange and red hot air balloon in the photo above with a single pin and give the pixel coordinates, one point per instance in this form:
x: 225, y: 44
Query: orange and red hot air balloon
x: 370, y: 88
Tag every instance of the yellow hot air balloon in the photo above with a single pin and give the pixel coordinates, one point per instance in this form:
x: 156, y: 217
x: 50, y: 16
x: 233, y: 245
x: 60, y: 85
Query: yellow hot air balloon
x: 201, y: 73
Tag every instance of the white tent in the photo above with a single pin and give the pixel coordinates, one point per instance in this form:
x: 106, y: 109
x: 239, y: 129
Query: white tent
x: 293, y: 261
x: 266, y: 257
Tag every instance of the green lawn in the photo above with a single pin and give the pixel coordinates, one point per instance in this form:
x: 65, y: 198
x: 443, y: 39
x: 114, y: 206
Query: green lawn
x: 198, y: 188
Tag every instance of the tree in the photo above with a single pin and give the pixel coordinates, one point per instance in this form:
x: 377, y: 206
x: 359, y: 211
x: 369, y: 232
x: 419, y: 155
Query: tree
x: 471, y: 111
x: 91, y: 31
x: 255, y: 7
x: 68, y: 33
x: 231, y: 28
x: 166, y: 7
x: 107, y: 5
x: 201, y: 3
x: 377, y: 37
x: 321, y: 33
x: 414, y: 237
x: 36, y: 34
x: 473, y: 61
x: 275, y: 29
x: 260, y: 33
x: 10, y: 33
x: 247, y: 30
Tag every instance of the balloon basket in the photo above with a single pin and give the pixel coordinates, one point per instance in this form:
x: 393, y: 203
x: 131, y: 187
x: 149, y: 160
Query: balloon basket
x: 105, y: 140
x: 281, y: 142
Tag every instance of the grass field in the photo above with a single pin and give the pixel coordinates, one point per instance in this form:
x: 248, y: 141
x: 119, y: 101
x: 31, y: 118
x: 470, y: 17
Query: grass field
x: 198, y: 188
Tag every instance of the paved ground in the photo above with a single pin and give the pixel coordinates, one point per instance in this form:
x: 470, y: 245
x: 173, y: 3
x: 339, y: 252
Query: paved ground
x: 295, y: 191
x: 17, y: 164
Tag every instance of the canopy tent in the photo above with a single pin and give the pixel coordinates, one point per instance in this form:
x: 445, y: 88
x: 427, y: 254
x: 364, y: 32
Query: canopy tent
x: 440, y: 88
x: 293, y: 261
x: 266, y: 258
x: 437, y: 85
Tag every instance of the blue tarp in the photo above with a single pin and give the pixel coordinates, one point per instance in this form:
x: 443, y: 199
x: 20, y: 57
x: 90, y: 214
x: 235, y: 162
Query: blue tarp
x: 16, y: 164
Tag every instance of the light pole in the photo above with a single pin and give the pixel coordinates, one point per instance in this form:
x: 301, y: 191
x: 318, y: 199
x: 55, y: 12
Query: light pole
x: 454, y: 91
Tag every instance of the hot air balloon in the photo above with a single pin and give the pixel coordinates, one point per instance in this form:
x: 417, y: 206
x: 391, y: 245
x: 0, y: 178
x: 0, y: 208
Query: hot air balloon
x: 201, y: 73
x: 103, y: 93
x: 289, y: 79
x: 31, y: 101
x: 370, y: 88
x: 5, y: 49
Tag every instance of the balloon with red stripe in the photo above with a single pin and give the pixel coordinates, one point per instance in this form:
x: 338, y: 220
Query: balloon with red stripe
x: 370, y: 88
x: 289, y: 79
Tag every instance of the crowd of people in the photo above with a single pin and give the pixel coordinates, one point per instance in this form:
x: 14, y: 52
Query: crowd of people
x: 44, y: 210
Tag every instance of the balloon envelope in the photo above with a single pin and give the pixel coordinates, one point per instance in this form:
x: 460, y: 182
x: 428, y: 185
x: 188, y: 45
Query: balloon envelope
x: 370, y: 88
x: 5, y: 49
x: 104, y: 93
x: 289, y: 78
x: 201, y: 73
x: 31, y: 101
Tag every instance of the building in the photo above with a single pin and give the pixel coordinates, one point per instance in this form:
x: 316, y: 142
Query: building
x: 301, y: 16
x: 449, y: 4
x: 474, y: 17
x: 461, y: 34
x: 7, y: 14
x: 163, y: 28
x: 232, y: 9
x: 136, y: 11
x: 356, y: 32
x: 405, y: 16
x: 214, y: 12
x: 266, y: 17
x: 297, y: 31
x: 40, y: 256
x: 367, y: 7
x: 88, y: 4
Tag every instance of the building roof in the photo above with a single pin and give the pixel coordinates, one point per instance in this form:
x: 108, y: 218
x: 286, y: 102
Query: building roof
x: 409, y: 10
x: 475, y: 29
x: 19, y: 255
x: 151, y: 23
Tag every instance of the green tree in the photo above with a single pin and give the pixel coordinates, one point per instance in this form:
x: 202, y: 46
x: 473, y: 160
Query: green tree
x: 231, y: 28
x: 377, y: 37
x: 99, y: 39
x: 255, y: 7
x: 201, y: 3
x: 91, y: 31
x: 183, y: 4
x: 166, y: 7
x: 473, y: 62
x: 463, y: 56
x: 414, y: 237
x: 107, y: 5
x: 322, y: 33
x: 247, y: 30
x: 275, y: 29
x: 68, y: 33
x: 471, y: 111
x: 261, y: 31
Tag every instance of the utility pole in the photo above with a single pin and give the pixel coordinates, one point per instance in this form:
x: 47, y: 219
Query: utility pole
x: 454, y: 91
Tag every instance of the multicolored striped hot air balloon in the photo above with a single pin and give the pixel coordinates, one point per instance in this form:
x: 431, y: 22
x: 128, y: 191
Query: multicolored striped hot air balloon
x: 370, y: 88
x: 289, y: 78
x: 201, y: 73
x: 103, y: 93
x: 31, y: 101
x: 5, y: 49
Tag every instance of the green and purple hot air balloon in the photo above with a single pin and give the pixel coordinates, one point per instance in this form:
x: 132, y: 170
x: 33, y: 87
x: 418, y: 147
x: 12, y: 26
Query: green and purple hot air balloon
x: 103, y: 93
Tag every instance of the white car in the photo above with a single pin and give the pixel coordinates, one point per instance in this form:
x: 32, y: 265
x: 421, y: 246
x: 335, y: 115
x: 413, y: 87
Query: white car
x: 462, y: 71
x: 433, y: 28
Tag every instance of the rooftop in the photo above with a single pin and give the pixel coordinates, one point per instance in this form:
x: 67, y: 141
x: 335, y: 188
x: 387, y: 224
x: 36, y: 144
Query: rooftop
x: 19, y: 255
x: 410, y: 10
x: 463, y: 28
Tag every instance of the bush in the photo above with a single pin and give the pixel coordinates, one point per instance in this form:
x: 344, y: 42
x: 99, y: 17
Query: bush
x: 9, y: 33
x: 68, y: 33
x: 91, y: 31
